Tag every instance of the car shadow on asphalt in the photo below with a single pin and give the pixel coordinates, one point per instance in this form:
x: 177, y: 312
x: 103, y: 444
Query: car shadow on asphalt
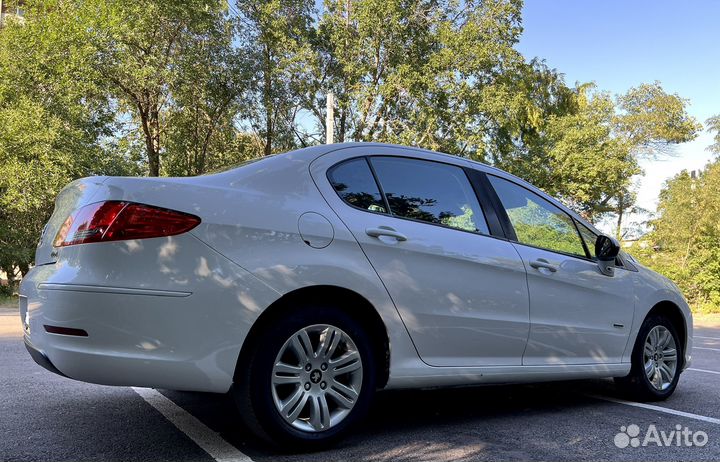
x: 404, y: 424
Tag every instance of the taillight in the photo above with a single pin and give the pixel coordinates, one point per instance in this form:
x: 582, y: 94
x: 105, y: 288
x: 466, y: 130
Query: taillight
x: 117, y: 221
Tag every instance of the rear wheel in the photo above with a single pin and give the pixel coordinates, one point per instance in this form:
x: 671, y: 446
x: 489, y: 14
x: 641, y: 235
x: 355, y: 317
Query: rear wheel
x: 309, y: 378
x: 656, y: 361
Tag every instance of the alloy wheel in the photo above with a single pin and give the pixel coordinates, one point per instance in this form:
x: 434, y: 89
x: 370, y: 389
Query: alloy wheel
x: 317, y: 378
x: 660, y: 357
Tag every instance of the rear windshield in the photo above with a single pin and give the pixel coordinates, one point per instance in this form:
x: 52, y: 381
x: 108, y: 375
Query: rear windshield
x: 238, y: 165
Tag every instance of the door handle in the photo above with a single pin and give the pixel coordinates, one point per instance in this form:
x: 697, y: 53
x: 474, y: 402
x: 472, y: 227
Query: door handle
x: 544, y: 264
x: 385, y: 231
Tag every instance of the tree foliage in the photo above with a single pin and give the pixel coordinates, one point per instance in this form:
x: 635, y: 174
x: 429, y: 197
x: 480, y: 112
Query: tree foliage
x: 183, y: 87
x: 586, y: 148
x: 651, y: 119
x: 156, y: 57
x: 421, y: 72
x: 685, y: 241
x: 275, y: 37
x: 54, y: 125
x: 713, y: 125
x: 208, y: 97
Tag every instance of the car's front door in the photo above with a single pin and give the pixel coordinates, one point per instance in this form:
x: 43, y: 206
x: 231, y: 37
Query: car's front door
x: 577, y: 314
x: 460, y: 292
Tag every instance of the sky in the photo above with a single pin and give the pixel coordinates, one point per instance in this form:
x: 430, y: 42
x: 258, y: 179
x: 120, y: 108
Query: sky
x: 621, y: 44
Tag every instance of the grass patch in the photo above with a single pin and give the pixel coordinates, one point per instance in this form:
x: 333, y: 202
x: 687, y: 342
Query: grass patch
x: 8, y: 301
x: 705, y: 308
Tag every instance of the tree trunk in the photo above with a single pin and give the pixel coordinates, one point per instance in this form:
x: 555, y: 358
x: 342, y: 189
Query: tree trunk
x: 341, y: 128
x: 150, y: 121
x: 155, y: 130
x: 267, y: 101
x: 204, y: 150
x: 621, y: 211
x: 342, y: 106
x: 23, y: 269
x: 268, y: 132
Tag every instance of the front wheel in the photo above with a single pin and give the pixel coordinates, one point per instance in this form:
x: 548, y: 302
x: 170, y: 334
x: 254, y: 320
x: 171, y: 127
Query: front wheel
x: 309, y: 378
x: 656, y: 361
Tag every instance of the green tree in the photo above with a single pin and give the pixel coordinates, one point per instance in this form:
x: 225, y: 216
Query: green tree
x: 584, y: 145
x: 415, y: 72
x: 275, y: 39
x: 651, y: 121
x: 209, y: 95
x: 713, y: 125
x: 140, y: 51
x: 55, y: 126
x: 447, y: 76
x: 589, y: 166
x: 686, y: 236
x: 152, y: 61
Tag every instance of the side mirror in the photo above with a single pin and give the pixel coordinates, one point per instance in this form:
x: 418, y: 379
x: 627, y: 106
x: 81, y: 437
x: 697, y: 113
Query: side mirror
x: 606, y: 250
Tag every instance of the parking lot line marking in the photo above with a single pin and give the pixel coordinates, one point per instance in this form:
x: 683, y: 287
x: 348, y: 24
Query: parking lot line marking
x: 208, y: 440
x: 705, y: 348
x: 709, y: 338
x: 703, y: 370
x: 652, y: 407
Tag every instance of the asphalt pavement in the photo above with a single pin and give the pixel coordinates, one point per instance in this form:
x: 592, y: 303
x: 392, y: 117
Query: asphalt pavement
x: 44, y: 417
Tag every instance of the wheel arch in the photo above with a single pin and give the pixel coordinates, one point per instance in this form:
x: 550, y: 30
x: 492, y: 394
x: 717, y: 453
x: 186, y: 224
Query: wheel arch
x: 673, y: 312
x: 354, y: 304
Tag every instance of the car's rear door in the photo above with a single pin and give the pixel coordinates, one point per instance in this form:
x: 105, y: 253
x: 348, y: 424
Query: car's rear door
x: 461, y: 292
x: 578, y: 315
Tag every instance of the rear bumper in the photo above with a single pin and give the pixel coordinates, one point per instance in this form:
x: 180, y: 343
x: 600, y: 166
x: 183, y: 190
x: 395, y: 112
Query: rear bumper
x: 128, y: 340
x: 113, y: 317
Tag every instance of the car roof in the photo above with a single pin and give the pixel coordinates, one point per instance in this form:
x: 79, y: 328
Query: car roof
x: 310, y: 154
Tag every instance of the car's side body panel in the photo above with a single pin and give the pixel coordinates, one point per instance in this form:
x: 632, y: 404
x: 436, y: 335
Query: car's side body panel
x: 443, y: 281
x: 652, y: 289
x: 174, y: 312
x: 578, y: 314
x: 262, y: 236
x: 259, y: 255
x: 649, y: 288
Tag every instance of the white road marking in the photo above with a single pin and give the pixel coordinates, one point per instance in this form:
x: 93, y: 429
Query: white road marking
x: 652, y: 407
x: 705, y: 348
x: 210, y: 441
x: 703, y: 370
x: 709, y: 338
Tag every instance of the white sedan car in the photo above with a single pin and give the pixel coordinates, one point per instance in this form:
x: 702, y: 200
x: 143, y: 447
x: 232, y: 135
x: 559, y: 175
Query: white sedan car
x: 304, y: 282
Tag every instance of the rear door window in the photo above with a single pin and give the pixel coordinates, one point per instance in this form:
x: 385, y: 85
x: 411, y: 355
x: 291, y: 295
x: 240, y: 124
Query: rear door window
x: 355, y: 184
x: 430, y: 192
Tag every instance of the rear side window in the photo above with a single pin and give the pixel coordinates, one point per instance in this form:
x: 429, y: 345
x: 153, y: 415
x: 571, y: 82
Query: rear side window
x: 355, y: 184
x: 536, y: 221
x: 431, y: 192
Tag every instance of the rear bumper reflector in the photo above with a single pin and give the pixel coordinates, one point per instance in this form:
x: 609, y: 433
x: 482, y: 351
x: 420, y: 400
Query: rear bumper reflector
x: 65, y: 331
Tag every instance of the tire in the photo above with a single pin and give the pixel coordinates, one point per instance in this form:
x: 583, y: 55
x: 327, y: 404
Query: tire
x: 638, y: 385
x: 260, y: 391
